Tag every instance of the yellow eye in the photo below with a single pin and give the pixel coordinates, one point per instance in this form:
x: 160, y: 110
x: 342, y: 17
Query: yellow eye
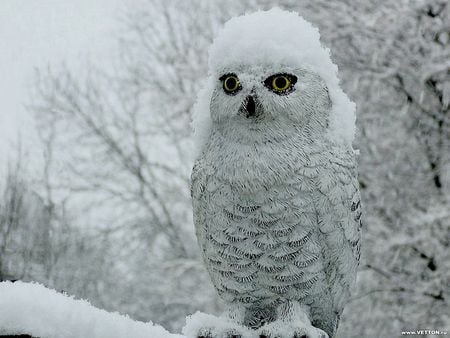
x: 231, y: 83
x: 280, y: 83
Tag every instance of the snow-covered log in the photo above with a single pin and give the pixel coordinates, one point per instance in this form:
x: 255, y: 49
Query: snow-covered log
x: 30, y: 308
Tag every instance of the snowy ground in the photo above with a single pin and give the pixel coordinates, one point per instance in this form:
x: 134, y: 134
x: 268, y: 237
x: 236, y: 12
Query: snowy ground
x: 31, y: 308
x: 28, y: 308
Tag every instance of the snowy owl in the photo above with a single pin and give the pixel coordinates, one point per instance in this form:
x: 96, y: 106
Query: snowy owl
x: 275, y: 192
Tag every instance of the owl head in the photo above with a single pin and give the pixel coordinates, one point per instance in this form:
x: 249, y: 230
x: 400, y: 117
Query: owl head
x: 269, y: 79
x: 254, y: 104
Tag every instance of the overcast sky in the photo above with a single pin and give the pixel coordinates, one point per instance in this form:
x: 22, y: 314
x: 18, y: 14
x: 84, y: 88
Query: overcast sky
x: 37, y: 33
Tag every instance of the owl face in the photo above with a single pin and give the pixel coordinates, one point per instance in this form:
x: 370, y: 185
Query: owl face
x: 250, y: 103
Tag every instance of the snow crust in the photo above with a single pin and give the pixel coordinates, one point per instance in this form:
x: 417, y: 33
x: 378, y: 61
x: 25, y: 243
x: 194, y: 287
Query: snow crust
x: 223, y: 326
x: 28, y: 308
x: 217, y: 325
x: 273, y: 38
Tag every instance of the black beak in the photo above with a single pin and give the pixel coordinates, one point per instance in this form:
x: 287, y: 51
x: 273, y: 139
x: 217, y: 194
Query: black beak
x: 250, y: 107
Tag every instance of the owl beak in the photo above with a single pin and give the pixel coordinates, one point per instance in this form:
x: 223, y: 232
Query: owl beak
x: 249, y: 106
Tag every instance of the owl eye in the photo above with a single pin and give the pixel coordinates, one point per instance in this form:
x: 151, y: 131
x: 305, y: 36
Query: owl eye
x: 281, y: 84
x: 231, y: 84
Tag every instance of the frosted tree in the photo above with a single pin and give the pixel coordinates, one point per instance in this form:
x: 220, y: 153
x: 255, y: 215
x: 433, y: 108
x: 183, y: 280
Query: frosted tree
x: 25, y: 247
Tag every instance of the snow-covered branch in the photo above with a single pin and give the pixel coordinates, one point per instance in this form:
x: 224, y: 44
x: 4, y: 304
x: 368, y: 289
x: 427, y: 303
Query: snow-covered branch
x: 29, y: 308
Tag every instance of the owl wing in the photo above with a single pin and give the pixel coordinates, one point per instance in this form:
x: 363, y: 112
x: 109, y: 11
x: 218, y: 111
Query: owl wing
x: 338, y: 210
x: 199, y: 178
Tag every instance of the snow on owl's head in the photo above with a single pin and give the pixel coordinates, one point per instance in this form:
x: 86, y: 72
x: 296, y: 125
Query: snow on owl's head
x: 270, y: 76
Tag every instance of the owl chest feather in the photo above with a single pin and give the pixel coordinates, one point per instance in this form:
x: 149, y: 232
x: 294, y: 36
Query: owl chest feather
x: 262, y: 243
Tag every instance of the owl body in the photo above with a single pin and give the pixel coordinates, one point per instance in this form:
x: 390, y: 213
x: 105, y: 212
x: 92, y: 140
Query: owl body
x: 277, y: 225
x: 274, y: 187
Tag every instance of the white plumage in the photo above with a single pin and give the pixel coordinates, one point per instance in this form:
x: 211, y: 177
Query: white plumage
x: 275, y: 191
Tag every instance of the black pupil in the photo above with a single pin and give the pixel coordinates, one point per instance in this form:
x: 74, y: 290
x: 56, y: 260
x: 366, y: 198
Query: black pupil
x: 230, y: 83
x: 280, y: 82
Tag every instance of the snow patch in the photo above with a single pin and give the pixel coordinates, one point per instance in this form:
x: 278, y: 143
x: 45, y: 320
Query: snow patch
x: 273, y: 38
x: 214, y: 326
x: 29, y: 308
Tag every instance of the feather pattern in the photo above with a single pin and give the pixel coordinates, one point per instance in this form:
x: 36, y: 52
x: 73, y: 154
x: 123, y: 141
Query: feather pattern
x: 270, y: 236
